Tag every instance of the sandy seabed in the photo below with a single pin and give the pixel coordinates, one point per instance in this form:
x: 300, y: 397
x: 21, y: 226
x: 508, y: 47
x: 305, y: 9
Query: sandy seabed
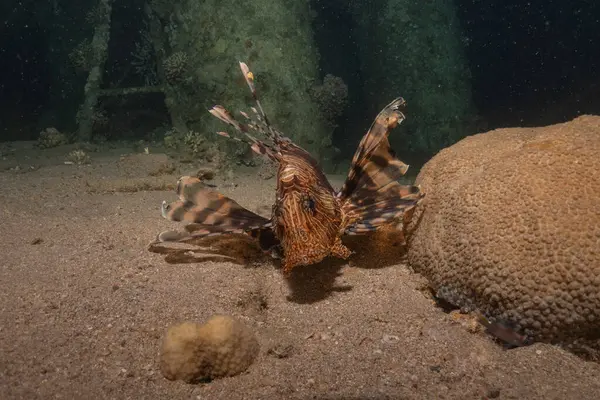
x: 85, y: 304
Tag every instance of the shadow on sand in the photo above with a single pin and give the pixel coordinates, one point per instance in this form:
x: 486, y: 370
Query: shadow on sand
x: 312, y: 283
x: 307, y: 284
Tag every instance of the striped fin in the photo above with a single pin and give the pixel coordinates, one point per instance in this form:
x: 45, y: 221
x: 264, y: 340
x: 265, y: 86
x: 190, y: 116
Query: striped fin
x: 374, y: 216
x: 272, y: 133
x: 264, y: 236
x: 371, y: 195
x: 256, y: 145
x: 207, y: 212
x: 240, y: 249
x: 374, y: 164
x: 260, y: 123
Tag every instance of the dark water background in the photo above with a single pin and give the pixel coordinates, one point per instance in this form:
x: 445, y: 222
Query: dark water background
x: 531, y: 62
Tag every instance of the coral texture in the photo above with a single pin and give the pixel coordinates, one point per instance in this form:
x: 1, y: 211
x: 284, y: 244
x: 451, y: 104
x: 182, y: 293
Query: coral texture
x: 511, y: 226
x: 175, y: 66
x: 221, y: 347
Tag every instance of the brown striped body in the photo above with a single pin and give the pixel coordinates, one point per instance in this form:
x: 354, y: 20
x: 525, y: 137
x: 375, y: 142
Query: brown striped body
x: 307, y: 216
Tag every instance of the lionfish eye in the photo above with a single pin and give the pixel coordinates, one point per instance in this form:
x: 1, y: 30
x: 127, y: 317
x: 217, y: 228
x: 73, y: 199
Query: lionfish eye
x: 309, y: 204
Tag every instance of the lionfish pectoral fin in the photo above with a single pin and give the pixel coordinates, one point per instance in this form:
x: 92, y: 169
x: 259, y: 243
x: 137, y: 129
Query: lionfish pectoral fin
x: 374, y: 163
x: 195, y: 231
x: 172, y: 236
x: 207, y: 213
x: 340, y: 250
x: 375, y: 210
x: 371, y: 194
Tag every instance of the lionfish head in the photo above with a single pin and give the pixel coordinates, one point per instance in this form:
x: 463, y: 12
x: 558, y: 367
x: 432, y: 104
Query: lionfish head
x: 307, y: 215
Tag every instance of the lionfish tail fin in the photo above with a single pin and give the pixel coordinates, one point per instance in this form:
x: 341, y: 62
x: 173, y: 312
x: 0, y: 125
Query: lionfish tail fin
x: 372, y: 195
x: 207, y: 213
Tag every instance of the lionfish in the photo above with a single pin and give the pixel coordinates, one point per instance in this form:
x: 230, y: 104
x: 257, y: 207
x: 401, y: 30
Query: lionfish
x: 309, y: 217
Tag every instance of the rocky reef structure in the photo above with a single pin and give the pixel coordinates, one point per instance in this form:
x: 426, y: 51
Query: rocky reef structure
x: 510, y: 226
x: 94, y: 60
x: 205, y: 40
x: 188, y: 51
x: 413, y: 49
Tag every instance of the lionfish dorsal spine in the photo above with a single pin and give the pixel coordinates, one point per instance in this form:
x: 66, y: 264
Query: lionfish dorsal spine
x: 261, y: 115
x: 260, y: 123
x: 249, y: 77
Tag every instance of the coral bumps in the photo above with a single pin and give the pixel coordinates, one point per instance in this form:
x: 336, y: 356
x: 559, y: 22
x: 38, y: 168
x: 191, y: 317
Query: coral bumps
x: 511, y: 226
x: 221, y: 347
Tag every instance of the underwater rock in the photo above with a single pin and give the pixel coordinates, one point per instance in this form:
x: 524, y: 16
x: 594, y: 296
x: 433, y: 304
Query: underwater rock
x: 510, y: 225
x: 221, y: 347
x: 275, y: 38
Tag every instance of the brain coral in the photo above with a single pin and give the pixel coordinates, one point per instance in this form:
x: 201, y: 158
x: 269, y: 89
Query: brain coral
x: 511, y: 226
x: 221, y: 347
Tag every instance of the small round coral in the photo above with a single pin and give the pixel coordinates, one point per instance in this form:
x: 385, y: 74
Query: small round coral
x: 221, y: 347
